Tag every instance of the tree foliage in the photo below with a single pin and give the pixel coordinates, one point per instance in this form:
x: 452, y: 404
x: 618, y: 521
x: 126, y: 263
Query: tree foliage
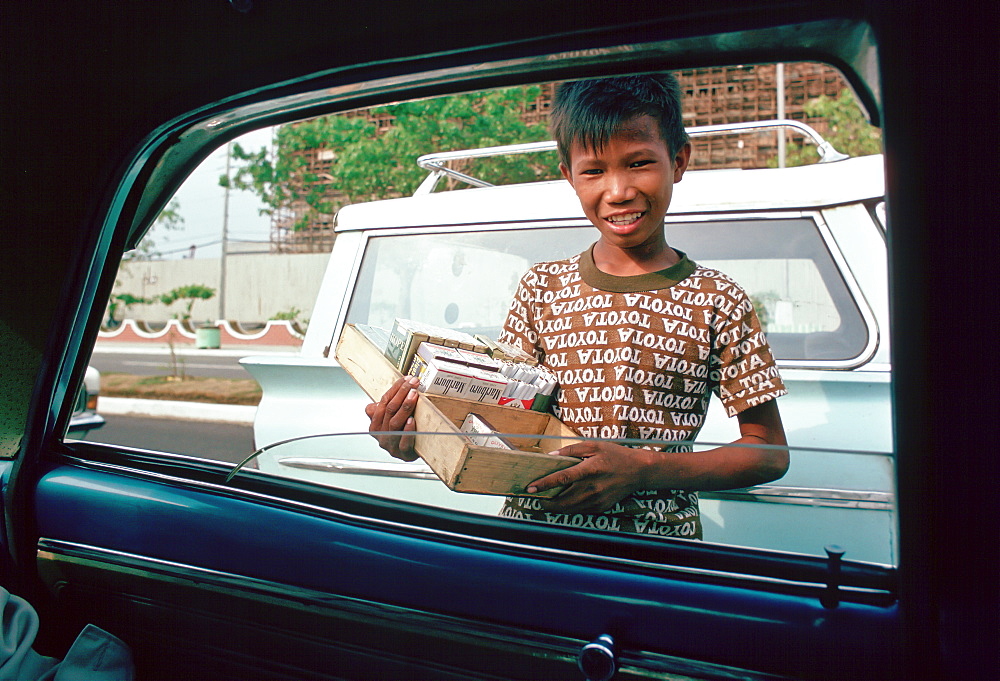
x: 190, y: 293
x: 368, y: 164
x: 848, y: 132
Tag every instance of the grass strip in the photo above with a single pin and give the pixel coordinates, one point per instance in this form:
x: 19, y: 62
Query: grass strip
x: 190, y: 389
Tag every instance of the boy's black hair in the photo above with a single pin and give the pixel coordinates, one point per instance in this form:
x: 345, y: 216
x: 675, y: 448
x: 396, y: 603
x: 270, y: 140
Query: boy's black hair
x: 591, y: 111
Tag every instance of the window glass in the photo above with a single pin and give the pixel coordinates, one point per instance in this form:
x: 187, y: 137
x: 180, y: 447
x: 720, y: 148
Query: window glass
x: 855, y: 508
x: 799, y: 293
x: 465, y: 280
x: 460, y: 280
x: 223, y: 324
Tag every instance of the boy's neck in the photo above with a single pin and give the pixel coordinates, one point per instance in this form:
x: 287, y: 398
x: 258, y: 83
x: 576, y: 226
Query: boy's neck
x: 621, y: 262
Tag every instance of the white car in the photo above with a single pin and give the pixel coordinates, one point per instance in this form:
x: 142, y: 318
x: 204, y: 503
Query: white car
x: 807, y: 243
x: 85, y: 417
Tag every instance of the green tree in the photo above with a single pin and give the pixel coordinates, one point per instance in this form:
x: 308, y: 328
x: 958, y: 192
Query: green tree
x: 126, y: 300
x: 170, y: 218
x: 369, y: 165
x: 190, y: 293
x: 848, y: 131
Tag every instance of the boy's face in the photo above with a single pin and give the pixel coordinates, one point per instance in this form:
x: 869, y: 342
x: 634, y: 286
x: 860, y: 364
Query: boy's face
x: 626, y: 187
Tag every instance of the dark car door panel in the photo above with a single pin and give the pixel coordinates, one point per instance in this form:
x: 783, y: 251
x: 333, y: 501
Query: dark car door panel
x: 236, y: 577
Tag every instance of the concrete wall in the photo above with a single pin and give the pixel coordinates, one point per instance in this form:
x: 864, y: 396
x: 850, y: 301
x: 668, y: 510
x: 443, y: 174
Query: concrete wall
x: 258, y: 286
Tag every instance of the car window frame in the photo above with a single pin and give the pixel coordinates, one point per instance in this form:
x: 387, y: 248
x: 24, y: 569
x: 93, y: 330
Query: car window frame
x: 175, y: 148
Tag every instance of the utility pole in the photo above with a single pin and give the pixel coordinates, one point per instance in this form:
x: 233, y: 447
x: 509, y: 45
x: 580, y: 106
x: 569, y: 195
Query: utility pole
x: 779, y: 77
x: 225, y: 238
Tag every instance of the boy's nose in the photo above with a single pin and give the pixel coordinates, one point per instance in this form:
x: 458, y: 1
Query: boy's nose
x: 619, y: 188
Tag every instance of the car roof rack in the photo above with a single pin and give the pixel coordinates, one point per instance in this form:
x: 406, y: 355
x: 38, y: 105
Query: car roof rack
x: 437, y: 163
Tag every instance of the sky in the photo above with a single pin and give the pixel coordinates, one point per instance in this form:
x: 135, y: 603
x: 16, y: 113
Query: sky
x: 202, y: 205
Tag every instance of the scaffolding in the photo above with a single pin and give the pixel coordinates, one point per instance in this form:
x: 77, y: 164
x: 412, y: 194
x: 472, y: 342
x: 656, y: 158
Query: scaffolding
x: 711, y: 96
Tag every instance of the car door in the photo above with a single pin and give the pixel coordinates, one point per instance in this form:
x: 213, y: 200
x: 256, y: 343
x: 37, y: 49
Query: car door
x: 211, y: 577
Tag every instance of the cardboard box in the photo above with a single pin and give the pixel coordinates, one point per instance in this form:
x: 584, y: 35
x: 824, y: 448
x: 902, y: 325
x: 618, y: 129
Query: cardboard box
x: 461, y: 465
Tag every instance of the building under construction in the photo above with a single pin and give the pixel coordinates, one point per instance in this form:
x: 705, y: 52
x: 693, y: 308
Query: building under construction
x: 712, y: 96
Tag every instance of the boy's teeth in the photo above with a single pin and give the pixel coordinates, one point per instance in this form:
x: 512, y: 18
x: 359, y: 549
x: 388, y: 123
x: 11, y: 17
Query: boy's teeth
x: 620, y: 219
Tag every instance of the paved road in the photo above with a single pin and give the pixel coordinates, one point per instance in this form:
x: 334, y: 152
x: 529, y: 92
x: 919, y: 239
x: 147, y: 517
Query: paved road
x: 205, y: 439
x: 161, y: 363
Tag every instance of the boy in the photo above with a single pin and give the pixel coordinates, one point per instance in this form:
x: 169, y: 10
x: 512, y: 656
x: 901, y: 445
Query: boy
x: 651, y: 333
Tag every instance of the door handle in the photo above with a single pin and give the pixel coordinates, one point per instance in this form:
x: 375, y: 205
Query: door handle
x: 597, y: 659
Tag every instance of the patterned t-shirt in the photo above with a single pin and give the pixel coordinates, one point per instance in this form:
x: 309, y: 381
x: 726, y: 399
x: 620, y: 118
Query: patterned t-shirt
x: 638, y: 357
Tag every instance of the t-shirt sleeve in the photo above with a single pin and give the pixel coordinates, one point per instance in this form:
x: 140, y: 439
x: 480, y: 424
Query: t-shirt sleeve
x: 742, y: 366
x: 519, y: 326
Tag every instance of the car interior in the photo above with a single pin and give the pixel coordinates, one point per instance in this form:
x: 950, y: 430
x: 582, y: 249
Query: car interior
x: 203, y: 574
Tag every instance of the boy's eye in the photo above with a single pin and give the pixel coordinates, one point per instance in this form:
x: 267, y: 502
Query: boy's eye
x: 639, y: 164
x: 591, y: 171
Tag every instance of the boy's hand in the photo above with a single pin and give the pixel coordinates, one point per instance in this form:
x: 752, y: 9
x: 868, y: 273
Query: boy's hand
x: 394, y: 413
x: 607, y: 474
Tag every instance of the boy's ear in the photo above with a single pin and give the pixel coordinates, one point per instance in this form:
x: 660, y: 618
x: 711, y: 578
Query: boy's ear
x: 566, y: 173
x: 681, y: 161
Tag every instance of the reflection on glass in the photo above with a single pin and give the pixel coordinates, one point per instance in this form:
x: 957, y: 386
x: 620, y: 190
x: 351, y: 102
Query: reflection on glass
x: 827, y: 497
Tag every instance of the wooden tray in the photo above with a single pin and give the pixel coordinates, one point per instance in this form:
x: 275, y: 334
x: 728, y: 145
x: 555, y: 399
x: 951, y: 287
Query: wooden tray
x: 461, y: 465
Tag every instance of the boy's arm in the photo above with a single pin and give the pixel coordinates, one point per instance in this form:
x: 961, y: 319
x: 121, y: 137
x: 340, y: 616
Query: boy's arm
x: 610, y: 472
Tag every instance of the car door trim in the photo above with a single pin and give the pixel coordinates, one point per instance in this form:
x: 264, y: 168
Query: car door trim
x: 861, y: 582
x: 389, y: 469
x: 53, y: 555
x: 774, y: 494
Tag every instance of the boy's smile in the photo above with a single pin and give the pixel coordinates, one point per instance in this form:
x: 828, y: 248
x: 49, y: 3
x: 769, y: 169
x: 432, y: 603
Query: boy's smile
x: 625, y: 189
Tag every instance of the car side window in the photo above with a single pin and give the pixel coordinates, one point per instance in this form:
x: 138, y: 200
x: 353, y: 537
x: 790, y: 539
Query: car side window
x: 465, y: 280
x: 801, y: 296
x: 457, y: 280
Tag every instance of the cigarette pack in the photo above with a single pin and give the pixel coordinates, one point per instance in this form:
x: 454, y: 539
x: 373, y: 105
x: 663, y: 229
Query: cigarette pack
x: 505, y: 352
x: 441, y: 376
x: 432, y: 351
x: 480, y: 360
x: 407, y: 335
x: 481, y: 433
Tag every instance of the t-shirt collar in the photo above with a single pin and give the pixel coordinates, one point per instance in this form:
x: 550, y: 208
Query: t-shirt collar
x: 650, y: 281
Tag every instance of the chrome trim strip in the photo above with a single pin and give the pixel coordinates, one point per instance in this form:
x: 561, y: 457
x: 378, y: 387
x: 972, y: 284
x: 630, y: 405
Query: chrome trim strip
x: 809, y: 496
x: 390, y: 469
x: 436, y: 162
x: 775, y: 494
x: 643, y: 664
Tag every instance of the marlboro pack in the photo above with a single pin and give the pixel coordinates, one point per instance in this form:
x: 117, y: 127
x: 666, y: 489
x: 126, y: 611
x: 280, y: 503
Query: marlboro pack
x: 528, y: 387
x: 475, y: 376
x: 440, y: 376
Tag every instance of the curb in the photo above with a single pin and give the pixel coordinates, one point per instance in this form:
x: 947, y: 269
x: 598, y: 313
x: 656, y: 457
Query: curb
x: 188, y: 411
x: 188, y: 351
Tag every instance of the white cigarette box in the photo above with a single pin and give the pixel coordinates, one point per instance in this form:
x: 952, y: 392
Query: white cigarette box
x: 482, y: 434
